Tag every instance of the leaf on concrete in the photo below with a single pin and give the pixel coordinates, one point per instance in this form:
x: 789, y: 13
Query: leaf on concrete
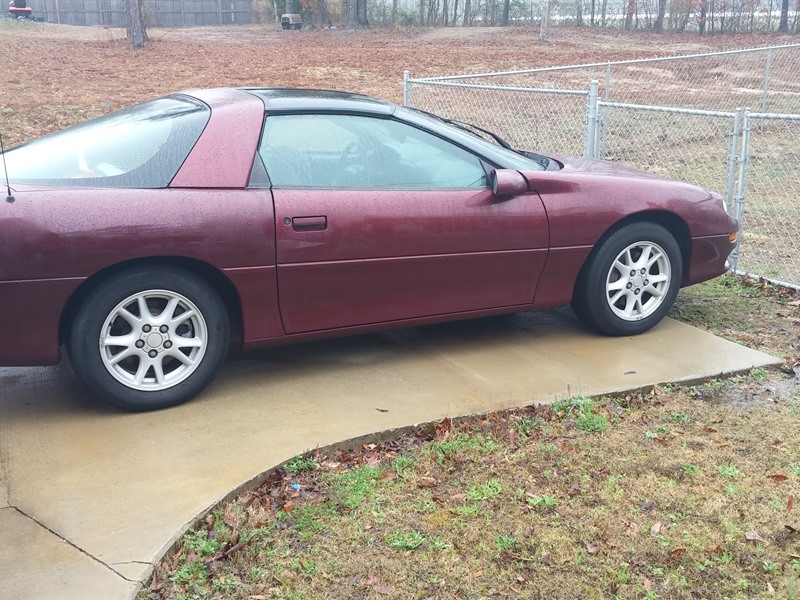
x: 383, y: 410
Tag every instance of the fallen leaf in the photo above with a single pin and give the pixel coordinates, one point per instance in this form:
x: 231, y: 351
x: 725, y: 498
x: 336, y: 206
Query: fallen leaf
x: 458, y: 497
x: 383, y: 410
x: 709, y: 430
x: 384, y: 589
x: 794, y: 303
x: 790, y: 504
x: 678, y: 552
x: 770, y: 588
x: 288, y: 507
x: 778, y: 477
x: 753, y: 536
x: 790, y: 529
x: 647, y: 585
x: 716, y: 549
x: 427, y: 482
x: 388, y: 475
x: 443, y: 428
x: 656, y: 529
x: 574, y: 490
x: 590, y: 547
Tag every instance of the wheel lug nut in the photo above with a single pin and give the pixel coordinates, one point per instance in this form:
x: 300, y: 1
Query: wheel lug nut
x: 146, y: 328
x: 152, y: 354
x: 647, y: 282
x: 644, y: 271
x: 629, y: 286
x: 167, y: 344
x: 636, y: 292
x: 140, y: 343
x: 633, y: 273
x: 163, y: 329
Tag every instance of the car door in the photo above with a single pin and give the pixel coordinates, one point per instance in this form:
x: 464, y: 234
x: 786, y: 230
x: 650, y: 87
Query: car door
x: 378, y: 220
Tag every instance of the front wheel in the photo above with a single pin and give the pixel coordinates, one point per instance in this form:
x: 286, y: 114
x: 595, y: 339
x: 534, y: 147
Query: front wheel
x: 149, y: 338
x: 630, y: 280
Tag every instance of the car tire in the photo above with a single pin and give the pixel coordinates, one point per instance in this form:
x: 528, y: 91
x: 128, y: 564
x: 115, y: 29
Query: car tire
x: 149, y: 338
x: 630, y: 280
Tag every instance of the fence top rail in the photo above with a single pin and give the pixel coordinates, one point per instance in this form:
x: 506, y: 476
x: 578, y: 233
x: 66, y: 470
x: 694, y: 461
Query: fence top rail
x: 670, y: 109
x: 601, y: 64
x: 504, y: 88
x: 775, y: 116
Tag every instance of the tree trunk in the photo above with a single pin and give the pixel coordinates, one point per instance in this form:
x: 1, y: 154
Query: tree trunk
x: 703, y: 12
x: 662, y: 10
x: 783, y: 26
x: 579, y: 13
x: 629, y: 12
x: 506, y: 11
x: 394, y: 12
x: 545, y: 21
x: 324, y: 13
x: 467, y: 9
x: 446, y: 13
x: 135, y: 23
x: 603, y: 8
x: 357, y: 14
x: 455, y: 12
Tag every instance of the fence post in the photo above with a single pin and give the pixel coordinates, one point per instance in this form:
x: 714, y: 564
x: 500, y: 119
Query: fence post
x: 730, y: 175
x: 589, y: 146
x: 741, y: 186
x: 406, y: 90
x: 765, y: 93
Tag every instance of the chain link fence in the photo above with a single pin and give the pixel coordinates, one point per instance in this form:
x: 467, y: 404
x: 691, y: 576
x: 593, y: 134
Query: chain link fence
x: 679, y: 117
x: 770, y: 217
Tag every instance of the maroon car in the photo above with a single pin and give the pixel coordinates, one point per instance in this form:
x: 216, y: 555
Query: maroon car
x: 150, y: 241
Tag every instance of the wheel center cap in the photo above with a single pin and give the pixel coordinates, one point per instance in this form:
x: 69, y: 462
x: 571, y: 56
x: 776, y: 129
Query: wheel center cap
x: 637, y: 281
x: 154, y: 340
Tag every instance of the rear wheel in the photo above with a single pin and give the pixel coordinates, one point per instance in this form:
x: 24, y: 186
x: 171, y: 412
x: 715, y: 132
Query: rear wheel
x: 149, y: 338
x: 630, y: 280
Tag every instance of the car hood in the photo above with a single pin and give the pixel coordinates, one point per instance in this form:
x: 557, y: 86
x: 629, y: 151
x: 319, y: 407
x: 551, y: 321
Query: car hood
x: 593, y: 166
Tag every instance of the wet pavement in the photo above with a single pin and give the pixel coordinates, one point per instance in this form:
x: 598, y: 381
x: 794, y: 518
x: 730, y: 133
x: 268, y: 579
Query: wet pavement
x: 90, y: 497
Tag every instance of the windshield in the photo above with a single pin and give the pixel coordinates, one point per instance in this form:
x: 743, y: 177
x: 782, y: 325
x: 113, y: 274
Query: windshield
x: 494, y: 152
x: 142, y: 146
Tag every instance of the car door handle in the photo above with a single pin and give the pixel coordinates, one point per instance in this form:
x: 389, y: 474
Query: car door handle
x: 309, y: 223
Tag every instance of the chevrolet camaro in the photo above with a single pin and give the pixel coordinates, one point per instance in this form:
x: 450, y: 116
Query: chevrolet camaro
x: 150, y: 242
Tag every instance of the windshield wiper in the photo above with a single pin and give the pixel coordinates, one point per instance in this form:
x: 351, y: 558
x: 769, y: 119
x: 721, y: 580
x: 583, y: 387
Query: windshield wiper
x: 469, y: 127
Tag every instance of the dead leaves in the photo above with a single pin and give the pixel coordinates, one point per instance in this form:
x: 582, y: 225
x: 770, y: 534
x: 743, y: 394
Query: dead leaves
x: 754, y: 536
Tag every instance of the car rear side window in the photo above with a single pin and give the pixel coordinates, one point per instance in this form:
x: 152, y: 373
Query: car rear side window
x: 141, y: 147
x: 360, y: 152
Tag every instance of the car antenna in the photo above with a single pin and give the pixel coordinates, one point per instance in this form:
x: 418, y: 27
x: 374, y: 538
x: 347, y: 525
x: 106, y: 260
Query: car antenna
x: 9, y: 197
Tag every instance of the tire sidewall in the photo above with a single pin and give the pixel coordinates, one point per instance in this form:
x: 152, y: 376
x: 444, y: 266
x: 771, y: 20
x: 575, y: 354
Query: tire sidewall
x: 84, y: 335
x: 593, y: 302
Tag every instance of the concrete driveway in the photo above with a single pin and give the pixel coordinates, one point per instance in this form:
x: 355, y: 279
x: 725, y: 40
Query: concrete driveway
x: 91, y: 497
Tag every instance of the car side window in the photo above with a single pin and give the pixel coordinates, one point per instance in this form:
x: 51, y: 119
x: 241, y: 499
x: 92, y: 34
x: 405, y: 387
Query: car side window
x: 360, y: 152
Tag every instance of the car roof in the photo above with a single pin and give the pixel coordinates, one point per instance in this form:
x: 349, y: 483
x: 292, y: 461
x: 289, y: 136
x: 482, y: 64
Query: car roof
x: 301, y: 100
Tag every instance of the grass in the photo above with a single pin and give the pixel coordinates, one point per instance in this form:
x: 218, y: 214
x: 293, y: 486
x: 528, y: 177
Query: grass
x: 673, y: 492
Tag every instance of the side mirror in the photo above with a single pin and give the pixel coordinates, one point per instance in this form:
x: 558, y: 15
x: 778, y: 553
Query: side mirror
x: 508, y: 182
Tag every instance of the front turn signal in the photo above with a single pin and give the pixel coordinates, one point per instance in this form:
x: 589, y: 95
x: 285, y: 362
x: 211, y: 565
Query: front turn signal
x: 732, y: 237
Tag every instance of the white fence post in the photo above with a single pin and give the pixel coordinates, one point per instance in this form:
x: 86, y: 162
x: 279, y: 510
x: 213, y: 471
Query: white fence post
x: 590, y: 147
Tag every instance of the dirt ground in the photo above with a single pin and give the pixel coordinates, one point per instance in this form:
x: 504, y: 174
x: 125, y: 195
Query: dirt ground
x: 57, y: 75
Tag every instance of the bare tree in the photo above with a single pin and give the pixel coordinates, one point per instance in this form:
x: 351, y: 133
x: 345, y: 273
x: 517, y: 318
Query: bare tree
x: 783, y: 26
x: 630, y: 10
x: 507, y: 9
x: 579, y: 13
x: 357, y: 14
x: 658, y: 27
x: 545, y: 21
x: 135, y: 23
x: 467, y: 11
